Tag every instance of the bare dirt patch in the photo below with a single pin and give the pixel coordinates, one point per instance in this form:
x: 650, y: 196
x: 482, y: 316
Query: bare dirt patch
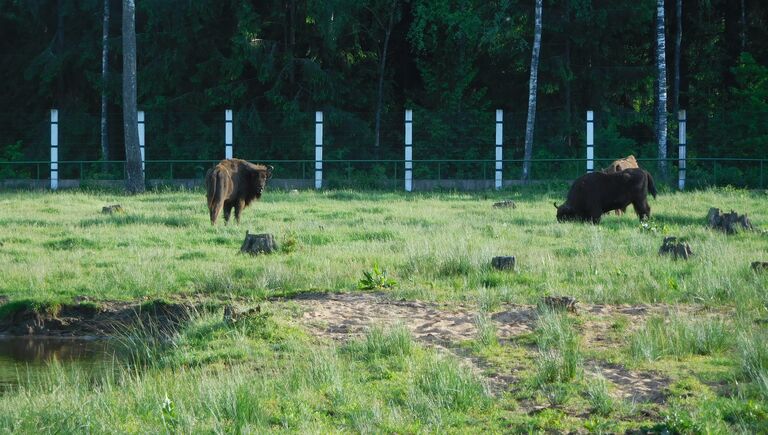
x: 342, y: 317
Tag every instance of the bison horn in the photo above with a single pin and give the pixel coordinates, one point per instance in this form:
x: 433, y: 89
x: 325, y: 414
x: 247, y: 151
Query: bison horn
x: 555, y: 204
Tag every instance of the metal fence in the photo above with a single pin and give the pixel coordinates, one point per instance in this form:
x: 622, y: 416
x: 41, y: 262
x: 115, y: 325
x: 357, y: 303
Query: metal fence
x: 384, y: 174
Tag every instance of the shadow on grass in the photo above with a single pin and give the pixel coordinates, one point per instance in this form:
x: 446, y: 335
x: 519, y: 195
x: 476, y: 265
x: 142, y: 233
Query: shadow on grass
x: 133, y: 219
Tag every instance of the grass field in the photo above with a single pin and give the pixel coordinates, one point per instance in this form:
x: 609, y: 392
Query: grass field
x: 657, y: 343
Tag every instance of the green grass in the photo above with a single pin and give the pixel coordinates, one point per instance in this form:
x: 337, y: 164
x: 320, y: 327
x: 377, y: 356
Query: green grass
x: 267, y: 374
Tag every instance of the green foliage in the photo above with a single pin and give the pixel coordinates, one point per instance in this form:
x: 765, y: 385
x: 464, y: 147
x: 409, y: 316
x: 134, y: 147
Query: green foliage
x: 680, y: 337
x: 376, y: 279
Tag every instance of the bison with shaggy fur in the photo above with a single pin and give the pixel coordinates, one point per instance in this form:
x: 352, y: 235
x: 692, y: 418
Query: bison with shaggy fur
x: 596, y: 193
x: 234, y: 184
x: 618, y: 166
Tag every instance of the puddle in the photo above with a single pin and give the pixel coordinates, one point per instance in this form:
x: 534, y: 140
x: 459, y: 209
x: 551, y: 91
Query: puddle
x: 25, y: 359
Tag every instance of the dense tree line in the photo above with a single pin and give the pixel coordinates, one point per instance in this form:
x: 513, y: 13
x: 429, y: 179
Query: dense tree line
x: 275, y: 62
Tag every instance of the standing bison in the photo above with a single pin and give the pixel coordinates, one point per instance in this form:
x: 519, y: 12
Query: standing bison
x: 593, y: 194
x: 618, y: 166
x: 234, y: 184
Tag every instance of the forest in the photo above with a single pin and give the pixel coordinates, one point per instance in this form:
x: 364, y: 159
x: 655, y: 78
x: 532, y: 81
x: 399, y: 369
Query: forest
x: 363, y: 62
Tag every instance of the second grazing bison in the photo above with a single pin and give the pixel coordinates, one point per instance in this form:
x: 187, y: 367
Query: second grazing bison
x: 233, y: 184
x: 618, y: 166
x: 596, y: 193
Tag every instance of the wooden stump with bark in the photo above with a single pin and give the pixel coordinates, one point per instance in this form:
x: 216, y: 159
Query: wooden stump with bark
x: 507, y: 203
x: 730, y: 223
x: 676, y: 249
x: 560, y: 303
x: 111, y: 209
x: 503, y: 263
x: 255, y: 244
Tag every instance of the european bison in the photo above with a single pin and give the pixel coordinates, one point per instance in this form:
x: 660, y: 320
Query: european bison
x: 618, y: 166
x: 234, y: 184
x: 622, y: 164
x: 593, y: 194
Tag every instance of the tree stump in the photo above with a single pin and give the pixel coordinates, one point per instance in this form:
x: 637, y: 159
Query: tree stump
x: 560, y: 303
x: 503, y: 263
x: 507, y: 203
x: 111, y: 209
x: 676, y: 249
x: 760, y: 266
x: 730, y: 223
x: 255, y: 244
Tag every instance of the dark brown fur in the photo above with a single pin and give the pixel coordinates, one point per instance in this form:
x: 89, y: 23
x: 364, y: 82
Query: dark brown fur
x: 593, y: 194
x: 234, y: 184
x: 620, y: 165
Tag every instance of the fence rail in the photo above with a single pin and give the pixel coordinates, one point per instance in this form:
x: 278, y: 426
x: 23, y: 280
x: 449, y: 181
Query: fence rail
x: 475, y: 173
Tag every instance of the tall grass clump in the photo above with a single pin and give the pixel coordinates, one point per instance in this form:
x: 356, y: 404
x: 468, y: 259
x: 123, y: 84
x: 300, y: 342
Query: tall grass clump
x: 560, y: 355
x: 679, y: 337
x: 443, y: 385
x: 599, y: 397
x: 379, y: 343
x: 486, y: 330
x: 753, y: 358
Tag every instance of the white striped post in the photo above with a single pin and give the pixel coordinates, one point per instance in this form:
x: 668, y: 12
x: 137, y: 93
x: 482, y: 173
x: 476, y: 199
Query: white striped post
x: 140, y: 117
x: 227, y: 134
x: 54, y: 149
x: 590, y: 141
x: 681, y: 119
x: 499, y: 143
x: 318, y: 150
x: 409, y: 150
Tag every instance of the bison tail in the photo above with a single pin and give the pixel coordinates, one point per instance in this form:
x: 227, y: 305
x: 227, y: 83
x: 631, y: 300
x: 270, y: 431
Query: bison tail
x: 651, y: 186
x: 214, y: 184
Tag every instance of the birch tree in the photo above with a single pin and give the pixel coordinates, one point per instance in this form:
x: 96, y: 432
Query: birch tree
x: 661, y: 101
x: 532, y: 87
x: 134, y: 181
x: 104, y: 81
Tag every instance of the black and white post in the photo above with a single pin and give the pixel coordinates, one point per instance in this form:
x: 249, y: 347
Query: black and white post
x: 227, y: 134
x: 409, y: 150
x: 140, y: 117
x: 681, y: 119
x: 54, y: 149
x: 590, y: 141
x: 318, y: 150
x: 499, y: 151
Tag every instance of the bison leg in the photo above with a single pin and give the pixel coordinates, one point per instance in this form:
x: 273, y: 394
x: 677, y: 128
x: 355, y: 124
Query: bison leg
x: 642, y: 208
x: 239, y: 206
x: 227, y: 211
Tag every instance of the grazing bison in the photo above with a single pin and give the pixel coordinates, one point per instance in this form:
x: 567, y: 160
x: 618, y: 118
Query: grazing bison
x: 234, y: 184
x: 593, y: 194
x: 618, y: 166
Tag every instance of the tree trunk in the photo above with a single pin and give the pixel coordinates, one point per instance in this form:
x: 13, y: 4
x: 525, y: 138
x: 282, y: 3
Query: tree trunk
x: 661, y: 109
x: 743, y: 26
x: 382, y: 70
x: 104, y: 80
x: 532, y: 86
x: 134, y: 181
x: 678, y: 45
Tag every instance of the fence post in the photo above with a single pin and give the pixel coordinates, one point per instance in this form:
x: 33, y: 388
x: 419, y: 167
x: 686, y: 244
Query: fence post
x: 590, y: 141
x: 499, y: 142
x: 228, y: 134
x: 54, y: 149
x: 681, y: 119
x: 408, y: 150
x: 140, y: 115
x: 318, y: 150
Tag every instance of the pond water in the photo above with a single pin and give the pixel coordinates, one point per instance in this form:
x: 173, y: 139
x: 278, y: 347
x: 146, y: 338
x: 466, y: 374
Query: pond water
x: 25, y: 359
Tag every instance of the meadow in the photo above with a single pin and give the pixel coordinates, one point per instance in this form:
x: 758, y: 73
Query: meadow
x: 656, y: 343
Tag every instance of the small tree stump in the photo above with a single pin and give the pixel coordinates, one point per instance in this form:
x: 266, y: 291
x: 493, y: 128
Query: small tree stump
x: 730, y: 223
x: 760, y: 266
x: 507, y: 203
x: 503, y: 263
x: 671, y: 246
x: 258, y: 244
x: 559, y: 303
x: 111, y: 209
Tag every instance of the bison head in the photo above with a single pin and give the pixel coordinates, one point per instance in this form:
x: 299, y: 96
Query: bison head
x: 259, y: 179
x: 566, y: 213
